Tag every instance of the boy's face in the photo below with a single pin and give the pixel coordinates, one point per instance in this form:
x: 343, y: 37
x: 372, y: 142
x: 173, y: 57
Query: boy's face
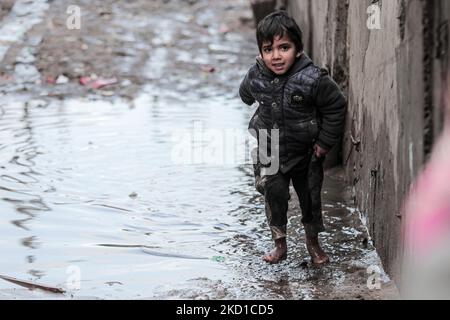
x: 280, y: 55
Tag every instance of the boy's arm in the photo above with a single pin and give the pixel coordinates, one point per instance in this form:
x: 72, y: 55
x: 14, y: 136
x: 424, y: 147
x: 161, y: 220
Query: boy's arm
x: 244, y: 91
x: 331, y: 105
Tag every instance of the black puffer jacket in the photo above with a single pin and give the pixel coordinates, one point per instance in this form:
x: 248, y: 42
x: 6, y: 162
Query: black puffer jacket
x: 305, y: 104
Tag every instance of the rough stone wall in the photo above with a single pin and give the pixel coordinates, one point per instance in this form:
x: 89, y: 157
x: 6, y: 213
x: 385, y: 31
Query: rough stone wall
x: 392, y: 77
x: 324, y: 30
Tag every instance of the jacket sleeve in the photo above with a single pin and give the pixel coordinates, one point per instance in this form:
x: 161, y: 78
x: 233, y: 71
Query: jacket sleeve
x: 332, y: 107
x: 244, y: 91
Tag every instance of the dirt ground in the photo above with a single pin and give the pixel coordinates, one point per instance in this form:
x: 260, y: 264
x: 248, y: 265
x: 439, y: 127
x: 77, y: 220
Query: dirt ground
x: 113, y: 41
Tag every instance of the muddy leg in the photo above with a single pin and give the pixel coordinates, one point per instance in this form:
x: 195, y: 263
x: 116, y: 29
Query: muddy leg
x: 279, y: 253
x: 276, y: 193
x: 308, y: 187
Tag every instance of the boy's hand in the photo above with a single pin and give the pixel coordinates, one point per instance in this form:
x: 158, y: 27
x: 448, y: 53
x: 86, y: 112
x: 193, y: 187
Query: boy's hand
x: 319, y: 151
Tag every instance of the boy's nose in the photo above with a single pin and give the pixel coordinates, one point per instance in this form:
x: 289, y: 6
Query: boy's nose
x: 276, y: 55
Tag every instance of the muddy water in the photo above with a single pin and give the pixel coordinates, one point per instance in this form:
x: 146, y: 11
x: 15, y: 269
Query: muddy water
x: 92, y: 185
x: 94, y: 199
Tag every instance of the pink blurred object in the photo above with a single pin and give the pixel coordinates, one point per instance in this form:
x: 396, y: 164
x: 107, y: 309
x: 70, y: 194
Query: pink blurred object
x: 426, y: 259
x: 6, y: 78
x: 50, y: 79
x: 85, y: 80
x: 427, y: 209
x: 97, y: 83
x: 207, y: 68
x: 224, y: 29
x: 100, y: 83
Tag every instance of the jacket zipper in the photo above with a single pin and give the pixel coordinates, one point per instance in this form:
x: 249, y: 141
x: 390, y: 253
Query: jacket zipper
x: 284, y: 119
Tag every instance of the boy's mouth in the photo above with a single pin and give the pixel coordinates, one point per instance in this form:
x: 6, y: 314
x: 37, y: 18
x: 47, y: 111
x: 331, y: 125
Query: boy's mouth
x: 278, y: 66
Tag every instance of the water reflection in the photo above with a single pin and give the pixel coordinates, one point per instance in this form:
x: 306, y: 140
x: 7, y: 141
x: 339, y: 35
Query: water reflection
x: 18, y: 183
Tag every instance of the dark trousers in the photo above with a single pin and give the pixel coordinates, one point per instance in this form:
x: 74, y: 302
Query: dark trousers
x: 307, y: 179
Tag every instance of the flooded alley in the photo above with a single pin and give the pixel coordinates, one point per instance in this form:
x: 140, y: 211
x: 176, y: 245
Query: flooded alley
x: 91, y: 199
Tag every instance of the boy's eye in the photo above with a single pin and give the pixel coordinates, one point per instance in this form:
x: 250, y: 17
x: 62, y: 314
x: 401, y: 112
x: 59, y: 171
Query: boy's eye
x: 285, y: 48
x: 267, y: 50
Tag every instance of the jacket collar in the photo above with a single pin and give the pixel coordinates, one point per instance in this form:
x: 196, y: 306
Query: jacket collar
x: 300, y: 63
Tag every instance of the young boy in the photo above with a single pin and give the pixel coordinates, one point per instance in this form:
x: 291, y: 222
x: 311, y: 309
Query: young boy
x: 308, y: 108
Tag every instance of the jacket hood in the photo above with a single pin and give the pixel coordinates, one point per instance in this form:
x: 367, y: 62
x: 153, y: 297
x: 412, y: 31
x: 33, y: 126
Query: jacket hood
x: 300, y: 63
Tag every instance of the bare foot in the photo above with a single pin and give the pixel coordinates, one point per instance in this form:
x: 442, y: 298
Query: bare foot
x: 318, y: 256
x: 278, y: 254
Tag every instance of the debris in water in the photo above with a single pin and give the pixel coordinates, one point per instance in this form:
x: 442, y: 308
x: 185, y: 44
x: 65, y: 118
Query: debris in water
x: 107, y: 93
x: 218, y: 259
x: 207, y: 68
x: 32, y: 285
x: 133, y: 195
x: 100, y: 83
x: 50, y: 79
x: 85, y: 80
x: 62, y: 79
x: 97, y: 83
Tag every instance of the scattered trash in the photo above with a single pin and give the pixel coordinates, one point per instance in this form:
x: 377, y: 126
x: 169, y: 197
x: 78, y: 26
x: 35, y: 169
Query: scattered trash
x: 62, y: 79
x: 100, y: 83
x: 218, y: 259
x: 50, y: 79
x: 133, y: 195
x: 97, y: 83
x: 6, y: 78
x: 85, y: 80
x: 32, y: 285
x: 125, y: 83
x: 224, y: 29
x: 105, y: 15
x: 107, y: 93
x: 207, y: 68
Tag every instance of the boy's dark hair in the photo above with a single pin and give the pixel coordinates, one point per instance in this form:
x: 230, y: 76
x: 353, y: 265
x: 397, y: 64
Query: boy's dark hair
x: 278, y: 24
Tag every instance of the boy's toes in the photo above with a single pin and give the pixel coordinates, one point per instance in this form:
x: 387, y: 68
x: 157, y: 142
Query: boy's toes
x: 273, y: 258
x: 319, y: 261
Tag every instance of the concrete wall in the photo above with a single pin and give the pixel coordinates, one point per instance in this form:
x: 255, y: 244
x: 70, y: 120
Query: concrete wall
x: 392, y: 78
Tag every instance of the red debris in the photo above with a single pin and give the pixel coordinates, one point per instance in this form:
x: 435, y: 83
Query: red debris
x: 207, y: 68
x: 97, y: 83
x: 50, y: 79
x: 224, y: 29
x: 85, y: 80
x: 6, y: 78
x: 100, y: 83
